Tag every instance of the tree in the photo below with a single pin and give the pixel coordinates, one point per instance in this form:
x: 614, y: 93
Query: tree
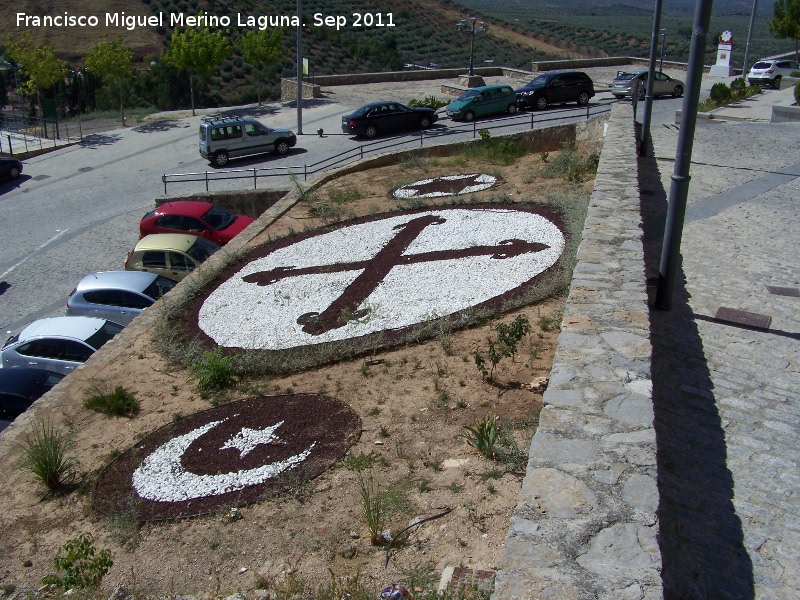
x: 111, y: 59
x: 38, y: 63
x: 261, y: 49
x: 785, y: 23
x: 197, y: 51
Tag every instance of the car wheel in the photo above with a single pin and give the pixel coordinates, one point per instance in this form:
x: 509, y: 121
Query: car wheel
x: 221, y: 158
x: 540, y: 103
x: 424, y: 123
x: 678, y: 91
x: 776, y: 83
x: 512, y: 108
x: 281, y: 147
x: 13, y: 173
x: 370, y: 132
x: 642, y: 92
x: 469, y: 116
x: 583, y: 98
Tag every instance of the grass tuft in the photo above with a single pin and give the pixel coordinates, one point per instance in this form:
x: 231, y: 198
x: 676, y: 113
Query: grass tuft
x: 46, y: 455
x: 117, y: 402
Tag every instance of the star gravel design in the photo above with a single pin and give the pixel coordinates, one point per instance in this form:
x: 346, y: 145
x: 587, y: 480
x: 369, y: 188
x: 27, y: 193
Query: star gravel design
x: 450, y: 185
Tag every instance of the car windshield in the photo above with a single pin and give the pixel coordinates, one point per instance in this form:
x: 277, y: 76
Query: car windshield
x: 160, y: 286
x: 102, y: 335
x: 202, y: 249
x: 468, y: 94
x: 762, y: 65
x: 219, y: 218
x: 625, y: 76
x: 539, y: 81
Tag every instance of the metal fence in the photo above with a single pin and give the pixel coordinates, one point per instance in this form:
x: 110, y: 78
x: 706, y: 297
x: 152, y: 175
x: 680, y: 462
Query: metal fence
x: 520, y: 121
x: 22, y: 134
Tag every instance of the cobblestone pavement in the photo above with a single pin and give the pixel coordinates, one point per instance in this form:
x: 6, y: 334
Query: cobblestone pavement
x: 727, y: 396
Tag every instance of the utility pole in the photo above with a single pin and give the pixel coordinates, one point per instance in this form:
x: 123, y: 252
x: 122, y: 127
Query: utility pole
x: 679, y: 190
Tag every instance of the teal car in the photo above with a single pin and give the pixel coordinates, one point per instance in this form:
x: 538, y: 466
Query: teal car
x: 483, y: 101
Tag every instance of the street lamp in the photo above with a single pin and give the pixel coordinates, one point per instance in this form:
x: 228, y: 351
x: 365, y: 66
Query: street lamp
x: 469, y: 27
x: 663, y: 35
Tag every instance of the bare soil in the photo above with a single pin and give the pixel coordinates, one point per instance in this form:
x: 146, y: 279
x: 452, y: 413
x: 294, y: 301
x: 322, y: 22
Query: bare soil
x: 413, y: 403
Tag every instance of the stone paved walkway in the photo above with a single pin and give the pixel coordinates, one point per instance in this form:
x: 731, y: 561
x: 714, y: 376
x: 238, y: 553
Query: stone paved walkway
x: 727, y: 397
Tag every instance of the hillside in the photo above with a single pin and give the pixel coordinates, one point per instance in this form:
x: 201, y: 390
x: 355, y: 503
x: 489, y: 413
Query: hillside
x: 424, y: 33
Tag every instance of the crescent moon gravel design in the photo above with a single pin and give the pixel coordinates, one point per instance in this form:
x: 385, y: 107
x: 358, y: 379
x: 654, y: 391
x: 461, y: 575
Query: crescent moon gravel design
x: 227, y: 456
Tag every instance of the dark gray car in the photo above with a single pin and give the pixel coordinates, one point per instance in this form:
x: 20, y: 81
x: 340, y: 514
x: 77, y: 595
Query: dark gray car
x: 117, y: 296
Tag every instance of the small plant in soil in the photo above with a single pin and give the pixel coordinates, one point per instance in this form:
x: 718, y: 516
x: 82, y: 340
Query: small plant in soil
x: 359, y: 462
x: 504, y: 345
x: 47, y: 455
x: 482, y: 435
x: 213, y: 372
x: 455, y: 488
x: 546, y: 323
x: 373, y: 506
x: 117, y: 402
x: 80, y: 565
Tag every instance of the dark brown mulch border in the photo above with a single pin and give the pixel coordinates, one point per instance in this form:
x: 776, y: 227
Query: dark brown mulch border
x: 183, y: 319
x: 308, y: 418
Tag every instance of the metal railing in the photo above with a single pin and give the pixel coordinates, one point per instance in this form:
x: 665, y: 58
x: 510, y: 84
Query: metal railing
x: 529, y: 120
x: 22, y: 134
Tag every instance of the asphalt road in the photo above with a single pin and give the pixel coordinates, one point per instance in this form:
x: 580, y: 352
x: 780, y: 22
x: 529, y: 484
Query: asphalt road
x: 76, y: 210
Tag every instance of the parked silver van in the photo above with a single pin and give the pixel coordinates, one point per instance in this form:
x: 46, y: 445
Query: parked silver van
x: 223, y: 138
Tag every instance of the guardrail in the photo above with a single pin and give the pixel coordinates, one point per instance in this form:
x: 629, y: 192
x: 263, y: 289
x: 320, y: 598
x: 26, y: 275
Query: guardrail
x: 358, y: 153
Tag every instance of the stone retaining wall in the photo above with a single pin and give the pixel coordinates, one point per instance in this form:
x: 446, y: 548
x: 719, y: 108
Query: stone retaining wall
x: 416, y: 75
x: 586, y: 524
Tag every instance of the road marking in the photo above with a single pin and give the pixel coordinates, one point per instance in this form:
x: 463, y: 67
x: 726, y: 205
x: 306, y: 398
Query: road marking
x: 34, y: 253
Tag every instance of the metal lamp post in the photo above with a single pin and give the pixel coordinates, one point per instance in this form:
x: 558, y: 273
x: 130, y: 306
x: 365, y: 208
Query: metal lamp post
x: 663, y: 37
x: 469, y: 27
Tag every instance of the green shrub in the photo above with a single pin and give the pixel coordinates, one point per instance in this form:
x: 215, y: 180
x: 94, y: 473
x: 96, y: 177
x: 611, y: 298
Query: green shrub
x: 738, y: 86
x: 571, y: 164
x: 46, y: 455
x: 213, y: 372
x: 83, y: 566
x: 721, y: 93
x: 427, y: 102
x: 797, y: 92
x: 119, y: 402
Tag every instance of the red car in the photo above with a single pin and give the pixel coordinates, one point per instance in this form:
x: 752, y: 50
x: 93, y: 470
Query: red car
x: 197, y: 218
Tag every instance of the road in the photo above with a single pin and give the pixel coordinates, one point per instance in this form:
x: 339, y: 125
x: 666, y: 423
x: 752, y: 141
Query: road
x: 76, y: 210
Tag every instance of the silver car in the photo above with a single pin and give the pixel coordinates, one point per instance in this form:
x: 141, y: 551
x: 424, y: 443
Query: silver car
x: 59, y: 344
x: 223, y: 138
x: 769, y: 71
x: 663, y: 85
x: 117, y: 296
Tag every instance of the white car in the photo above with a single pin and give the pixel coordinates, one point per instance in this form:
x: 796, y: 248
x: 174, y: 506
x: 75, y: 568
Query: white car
x: 59, y: 344
x: 768, y: 71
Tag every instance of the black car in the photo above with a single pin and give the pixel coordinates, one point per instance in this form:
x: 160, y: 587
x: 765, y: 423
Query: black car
x: 10, y: 167
x: 556, y: 88
x: 19, y: 388
x: 382, y: 117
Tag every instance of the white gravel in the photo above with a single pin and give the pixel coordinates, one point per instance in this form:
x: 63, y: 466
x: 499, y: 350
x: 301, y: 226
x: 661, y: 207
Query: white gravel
x: 249, y: 316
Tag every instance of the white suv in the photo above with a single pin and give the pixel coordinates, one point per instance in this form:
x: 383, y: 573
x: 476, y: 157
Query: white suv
x: 769, y: 71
